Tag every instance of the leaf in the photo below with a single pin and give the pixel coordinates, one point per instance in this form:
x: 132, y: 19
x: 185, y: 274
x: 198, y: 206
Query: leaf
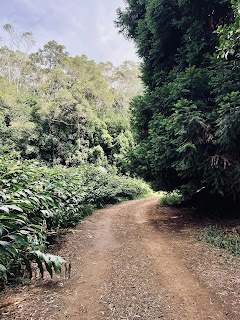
x: 25, y: 232
x: 13, y: 216
x: 3, y: 272
x: 11, y: 225
x: 35, y: 199
x: 40, y: 228
x: 56, y: 264
x: 4, y: 208
x: 20, y: 201
x: 40, y: 266
x: 47, y: 213
x: 28, y: 266
x: 14, y: 207
x: 48, y: 264
x: 8, y: 247
x: 50, y: 261
x: 18, y: 238
x: 21, y: 193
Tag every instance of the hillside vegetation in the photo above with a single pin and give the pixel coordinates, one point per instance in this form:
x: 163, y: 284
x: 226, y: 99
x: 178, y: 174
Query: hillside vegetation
x: 62, y: 109
x: 64, y: 128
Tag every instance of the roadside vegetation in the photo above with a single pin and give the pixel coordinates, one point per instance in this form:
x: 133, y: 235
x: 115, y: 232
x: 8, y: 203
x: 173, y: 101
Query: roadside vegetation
x: 35, y: 199
x: 219, y: 238
x: 186, y: 124
x: 171, y: 199
x: 66, y: 121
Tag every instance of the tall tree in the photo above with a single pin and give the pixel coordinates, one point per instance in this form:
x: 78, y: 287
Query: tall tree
x: 51, y: 55
x: 63, y: 109
x: 186, y: 118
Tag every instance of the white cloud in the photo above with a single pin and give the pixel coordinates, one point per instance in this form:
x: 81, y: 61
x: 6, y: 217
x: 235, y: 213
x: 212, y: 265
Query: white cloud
x: 84, y: 27
x: 108, y: 39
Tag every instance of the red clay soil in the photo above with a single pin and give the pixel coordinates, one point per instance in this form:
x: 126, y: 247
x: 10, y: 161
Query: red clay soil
x: 134, y: 260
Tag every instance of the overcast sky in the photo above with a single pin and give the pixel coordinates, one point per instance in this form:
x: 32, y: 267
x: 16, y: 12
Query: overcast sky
x: 83, y: 26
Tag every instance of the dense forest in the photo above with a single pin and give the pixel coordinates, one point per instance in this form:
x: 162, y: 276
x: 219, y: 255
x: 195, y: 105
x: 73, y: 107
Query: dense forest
x: 187, y: 124
x: 62, y: 109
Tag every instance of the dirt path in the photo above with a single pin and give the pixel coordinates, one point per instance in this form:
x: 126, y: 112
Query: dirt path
x: 133, y: 261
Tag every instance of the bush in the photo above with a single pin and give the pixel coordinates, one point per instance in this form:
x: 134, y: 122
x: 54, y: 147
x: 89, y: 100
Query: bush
x: 171, y: 199
x: 35, y: 198
x: 220, y: 239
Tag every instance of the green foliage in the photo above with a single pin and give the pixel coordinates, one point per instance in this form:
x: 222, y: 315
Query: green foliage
x: 220, y: 239
x: 50, y: 56
x: 22, y: 236
x: 171, y: 35
x: 171, y: 199
x: 186, y: 124
x: 35, y: 198
x: 62, y: 109
x: 229, y: 35
x: 59, y: 110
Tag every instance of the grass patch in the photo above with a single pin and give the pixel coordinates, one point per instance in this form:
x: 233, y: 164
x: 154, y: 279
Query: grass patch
x: 146, y: 195
x: 220, y: 239
x: 171, y: 199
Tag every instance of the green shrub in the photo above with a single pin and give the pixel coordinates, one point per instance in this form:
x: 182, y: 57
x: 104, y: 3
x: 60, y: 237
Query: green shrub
x: 220, y: 239
x: 35, y: 198
x: 23, y: 204
x: 171, y: 199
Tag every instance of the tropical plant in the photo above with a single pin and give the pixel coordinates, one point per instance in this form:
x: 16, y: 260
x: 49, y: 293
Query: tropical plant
x: 35, y: 198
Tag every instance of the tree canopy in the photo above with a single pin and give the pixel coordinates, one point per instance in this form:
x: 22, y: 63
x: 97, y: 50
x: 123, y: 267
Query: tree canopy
x: 64, y: 109
x: 186, y: 124
x: 64, y: 128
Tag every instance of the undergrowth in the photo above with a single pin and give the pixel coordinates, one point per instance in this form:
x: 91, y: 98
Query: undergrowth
x: 35, y: 198
x: 220, y: 239
x: 146, y: 195
x: 171, y: 199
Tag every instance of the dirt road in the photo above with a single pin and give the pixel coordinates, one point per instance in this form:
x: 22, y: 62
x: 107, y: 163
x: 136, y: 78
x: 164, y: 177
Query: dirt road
x: 134, y: 260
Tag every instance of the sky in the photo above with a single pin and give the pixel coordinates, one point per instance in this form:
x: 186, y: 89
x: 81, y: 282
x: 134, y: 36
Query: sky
x: 83, y: 26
